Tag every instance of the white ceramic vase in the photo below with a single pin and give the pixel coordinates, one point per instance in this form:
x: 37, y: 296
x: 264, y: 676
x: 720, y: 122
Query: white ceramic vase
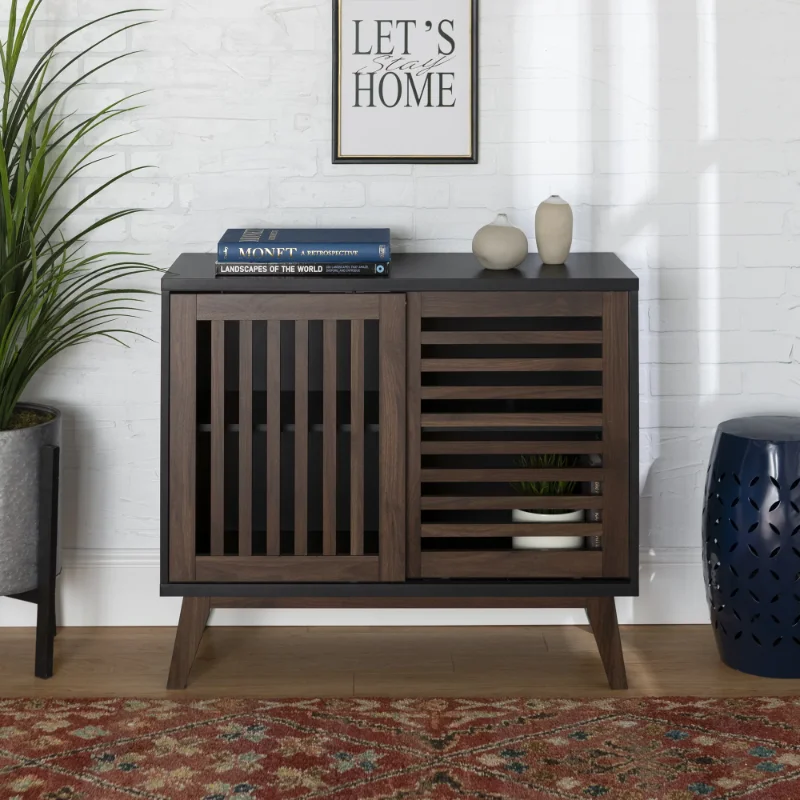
x: 554, y: 228
x: 547, y: 542
x: 500, y: 245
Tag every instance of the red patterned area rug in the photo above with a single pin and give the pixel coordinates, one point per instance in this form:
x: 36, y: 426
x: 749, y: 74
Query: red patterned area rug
x: 649, y: 749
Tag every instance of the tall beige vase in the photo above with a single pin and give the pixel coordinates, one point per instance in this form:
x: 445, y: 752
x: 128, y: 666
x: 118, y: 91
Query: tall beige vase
x: 554, y: 226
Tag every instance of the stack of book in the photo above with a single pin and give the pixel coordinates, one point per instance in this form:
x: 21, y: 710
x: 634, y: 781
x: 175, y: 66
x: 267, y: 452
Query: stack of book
x: 315, y: 251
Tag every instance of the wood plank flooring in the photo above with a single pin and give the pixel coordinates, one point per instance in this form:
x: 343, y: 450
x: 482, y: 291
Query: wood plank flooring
x: 390, y: 662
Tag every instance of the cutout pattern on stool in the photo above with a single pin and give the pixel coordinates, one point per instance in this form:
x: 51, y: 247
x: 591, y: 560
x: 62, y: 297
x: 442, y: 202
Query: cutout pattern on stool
x: 751, y: 555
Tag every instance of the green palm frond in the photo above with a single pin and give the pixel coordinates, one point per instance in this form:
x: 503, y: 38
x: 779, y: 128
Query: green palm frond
x: 52, y: 294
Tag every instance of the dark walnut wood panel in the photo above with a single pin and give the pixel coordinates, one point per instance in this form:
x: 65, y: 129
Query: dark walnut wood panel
x: 329, y: 438
x: 398, y: 602
x: 273, y: 384
x: 514, y: 448
x: 414, y: 442
x: 246, y: 438
x: 301, y: 439
x: 512, y: 364
x: 616, y: 460
x: 357, y: 437
x: 533, y: 304
x: 236, y: 307
x: 573, y: 564
x: 287, y: 569
x: 473, y: 503
x: 512, y: 337
x: 496, y: 530
x: 511, y: 420
x: 392, y: 440
x: 509, y: 475
x: 511, y: 392
x: 217, y: 438
x: 181, y: 450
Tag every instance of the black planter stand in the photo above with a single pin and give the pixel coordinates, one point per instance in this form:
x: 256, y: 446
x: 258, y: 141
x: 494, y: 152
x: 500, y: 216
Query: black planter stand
x: 45, y: 595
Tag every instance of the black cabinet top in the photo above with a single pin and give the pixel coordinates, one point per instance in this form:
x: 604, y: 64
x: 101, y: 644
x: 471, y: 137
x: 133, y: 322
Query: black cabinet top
x: 419, y: 272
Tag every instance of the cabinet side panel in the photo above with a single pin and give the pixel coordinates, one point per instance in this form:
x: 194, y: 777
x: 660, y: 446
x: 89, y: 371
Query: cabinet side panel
x: 633, y: 444
x: 182, y: 436
x: 392, y: 437
x: 413, y: 442
x: 164, y: 439
x: 616, y: 433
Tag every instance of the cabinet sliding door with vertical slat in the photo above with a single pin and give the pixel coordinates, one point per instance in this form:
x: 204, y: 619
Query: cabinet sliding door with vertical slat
x: 297, y: 408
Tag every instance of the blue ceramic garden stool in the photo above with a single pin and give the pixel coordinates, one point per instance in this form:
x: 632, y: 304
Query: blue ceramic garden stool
x: 751, y: 544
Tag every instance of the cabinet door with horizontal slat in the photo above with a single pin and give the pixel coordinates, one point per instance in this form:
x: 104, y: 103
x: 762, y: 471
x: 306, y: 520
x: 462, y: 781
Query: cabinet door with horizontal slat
x: 518, y: 402
x: 287, y: 440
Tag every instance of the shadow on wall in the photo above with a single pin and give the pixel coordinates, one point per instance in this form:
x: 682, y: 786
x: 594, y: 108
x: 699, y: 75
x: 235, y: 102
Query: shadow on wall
x: 715, y: 192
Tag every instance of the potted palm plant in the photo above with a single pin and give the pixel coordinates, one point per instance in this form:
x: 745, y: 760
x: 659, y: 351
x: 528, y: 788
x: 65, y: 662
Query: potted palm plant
x: 54, y: 291
x: 546, y: 489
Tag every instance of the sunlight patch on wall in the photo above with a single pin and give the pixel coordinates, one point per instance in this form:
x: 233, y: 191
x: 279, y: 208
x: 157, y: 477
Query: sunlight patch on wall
x: 708, y: 216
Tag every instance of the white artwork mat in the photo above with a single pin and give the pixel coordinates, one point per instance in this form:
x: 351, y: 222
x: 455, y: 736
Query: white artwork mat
x: 405, y: 79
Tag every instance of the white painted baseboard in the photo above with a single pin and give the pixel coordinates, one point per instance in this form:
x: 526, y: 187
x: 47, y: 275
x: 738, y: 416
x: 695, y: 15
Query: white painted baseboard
x: 120, y: 587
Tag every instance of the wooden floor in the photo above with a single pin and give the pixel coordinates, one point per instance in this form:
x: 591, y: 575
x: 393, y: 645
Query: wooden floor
x: 394, y: 662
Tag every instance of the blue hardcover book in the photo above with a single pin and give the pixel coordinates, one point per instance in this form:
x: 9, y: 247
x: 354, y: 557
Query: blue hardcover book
x: 304, y: 246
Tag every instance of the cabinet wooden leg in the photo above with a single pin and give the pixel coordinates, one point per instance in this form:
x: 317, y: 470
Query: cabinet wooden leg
x: 602, y: 613
x: 192, y: 624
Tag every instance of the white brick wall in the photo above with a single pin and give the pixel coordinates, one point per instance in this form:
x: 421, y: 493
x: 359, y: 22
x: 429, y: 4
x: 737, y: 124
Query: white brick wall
x: 673, y: 127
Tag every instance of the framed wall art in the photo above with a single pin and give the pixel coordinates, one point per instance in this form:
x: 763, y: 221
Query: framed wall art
x: 405, y: 81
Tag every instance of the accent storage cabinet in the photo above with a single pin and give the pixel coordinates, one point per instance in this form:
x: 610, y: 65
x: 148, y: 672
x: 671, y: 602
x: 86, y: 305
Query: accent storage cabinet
x: 358, y: 442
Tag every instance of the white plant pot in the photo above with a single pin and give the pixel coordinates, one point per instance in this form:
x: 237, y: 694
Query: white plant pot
x: 547, y: 542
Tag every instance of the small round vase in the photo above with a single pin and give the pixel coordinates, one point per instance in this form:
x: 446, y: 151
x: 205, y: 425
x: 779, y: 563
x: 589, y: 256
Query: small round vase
x: 500, y: 245
x: 554, y: 226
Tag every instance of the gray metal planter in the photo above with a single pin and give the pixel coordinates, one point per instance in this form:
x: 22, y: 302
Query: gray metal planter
x: 20, y: 481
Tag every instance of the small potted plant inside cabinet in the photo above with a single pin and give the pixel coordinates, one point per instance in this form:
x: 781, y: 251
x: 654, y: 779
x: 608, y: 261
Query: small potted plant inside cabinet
x: 547, y: 488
